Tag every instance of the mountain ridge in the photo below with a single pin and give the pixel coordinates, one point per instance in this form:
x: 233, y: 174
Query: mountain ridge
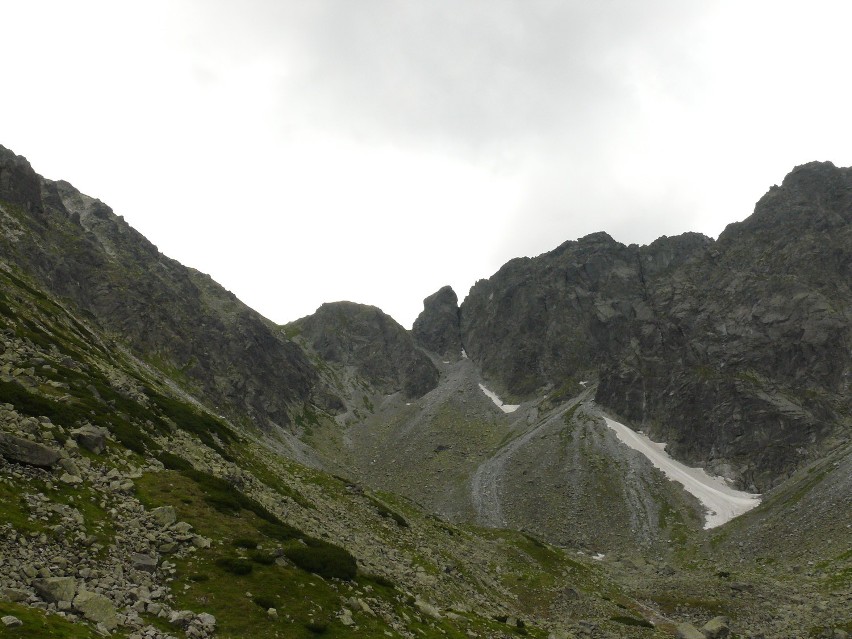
x: 735, y: 352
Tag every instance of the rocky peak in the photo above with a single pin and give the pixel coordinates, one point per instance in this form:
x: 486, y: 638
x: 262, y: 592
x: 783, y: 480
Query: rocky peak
x: 371, y: 342
x: 437, y: 328
x: 19, y: 184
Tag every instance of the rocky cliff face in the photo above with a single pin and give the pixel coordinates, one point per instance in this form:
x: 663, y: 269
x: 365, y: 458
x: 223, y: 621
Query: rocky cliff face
x: 736, y: 352
x: 170, y: 314
x: 372, y: 343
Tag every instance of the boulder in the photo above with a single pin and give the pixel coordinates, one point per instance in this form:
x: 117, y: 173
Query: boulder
x: 13, y: 594
x: 688, y: 631
x: 717, y: 628
x: 427, y: 608
x: 96, y: 608
x: 70, y: 467
x: 181, y: 618
x: 143, y: 562
x: 208, y: 621
x: 55, y: 589
x: 91, y: 438
x: 11, y: 622
x: 165, y: 516
x: 24, y: 451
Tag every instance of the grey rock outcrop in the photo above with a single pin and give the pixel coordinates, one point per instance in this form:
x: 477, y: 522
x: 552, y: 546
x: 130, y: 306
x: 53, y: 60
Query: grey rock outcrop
x: 91, y: 438
x: 55, y: 589
x: 688, y: 631
x: 96, y: 608
x: 10, y: 621
x: 437, y: 327
x: 24, y: 451
x: 143, y: 562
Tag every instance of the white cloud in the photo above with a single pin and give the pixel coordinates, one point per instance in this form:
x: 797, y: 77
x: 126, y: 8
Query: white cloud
x: 311, y: 150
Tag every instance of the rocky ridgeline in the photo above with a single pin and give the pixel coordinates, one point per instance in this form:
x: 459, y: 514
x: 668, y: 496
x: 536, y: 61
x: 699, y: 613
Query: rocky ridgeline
x: 77, y: 249
x: 108, y: 570
x: 735, y: 352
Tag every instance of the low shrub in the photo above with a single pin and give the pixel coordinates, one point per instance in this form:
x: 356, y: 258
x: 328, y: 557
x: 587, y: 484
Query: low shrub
x: 239, y: 567
x: 263, y: 558
x: 173, y: 462
x: 317, y: 627
x: 280, y: 531
x: 381, y: 580
x: 324, y: 559
x: 265, y: 602
x: 632, y: 621
x: 244, y: 542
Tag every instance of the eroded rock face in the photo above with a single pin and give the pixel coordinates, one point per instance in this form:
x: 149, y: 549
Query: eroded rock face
x: 437, y: 328
x: 736, y: 352
x: 380, y: 350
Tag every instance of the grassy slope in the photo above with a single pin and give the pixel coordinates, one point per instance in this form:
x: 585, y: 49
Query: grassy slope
x: 62, y: 367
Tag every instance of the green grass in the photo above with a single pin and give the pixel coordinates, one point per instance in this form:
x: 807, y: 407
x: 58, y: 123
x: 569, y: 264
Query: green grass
x: 324, y: 559
x: 632, y: 621
x: 38, y: 625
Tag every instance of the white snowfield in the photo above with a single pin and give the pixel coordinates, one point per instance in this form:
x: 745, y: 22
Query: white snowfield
x: 506, y: 408
x: 723, y: 503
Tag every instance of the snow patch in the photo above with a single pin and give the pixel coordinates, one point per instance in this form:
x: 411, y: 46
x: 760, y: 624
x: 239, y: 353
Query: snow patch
x: 506, y: 408
x: 722, y: 502
x: 464, y: 354
x: 599, y: 557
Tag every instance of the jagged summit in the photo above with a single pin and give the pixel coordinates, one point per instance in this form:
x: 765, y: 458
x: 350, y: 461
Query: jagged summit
x: 437, y: 328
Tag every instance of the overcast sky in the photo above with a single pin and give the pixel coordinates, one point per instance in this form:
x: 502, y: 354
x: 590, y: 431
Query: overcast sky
x: 303, y: 151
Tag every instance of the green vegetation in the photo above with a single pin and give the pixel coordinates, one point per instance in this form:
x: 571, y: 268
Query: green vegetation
x: 632, y: 621
x: 235, y: 566
x: 323, y: 559
x: 387, y: 513
x: 36, y: 624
